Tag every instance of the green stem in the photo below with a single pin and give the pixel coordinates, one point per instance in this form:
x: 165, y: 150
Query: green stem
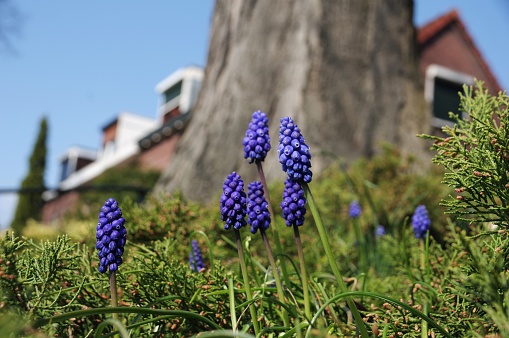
x: 113, y: 290
x: 362, y: 245
x: 275, y: 273
x: 427, y: 277
x: 252, y: 308
x: 232, y: 303
x: 124, y: 309
x: 275, y: 232
x: 332, y: 261
x: 304, y: 275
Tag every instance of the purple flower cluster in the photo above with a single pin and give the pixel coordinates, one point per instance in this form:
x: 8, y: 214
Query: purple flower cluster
x: 421, y: 221
x: 354, y: 210
x: 195, y: 257
x: 111, y: 236
x: 293, y: 152
x: 293, y: 204
x: 258, y: 215
x: 257, y: 141
x: 233, y: 202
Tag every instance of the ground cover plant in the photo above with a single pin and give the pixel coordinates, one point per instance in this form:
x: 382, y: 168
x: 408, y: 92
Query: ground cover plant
x: 361, y: 251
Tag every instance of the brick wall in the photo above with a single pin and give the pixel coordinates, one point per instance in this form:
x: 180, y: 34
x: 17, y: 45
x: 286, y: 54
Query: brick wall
x: 159, y: 156
x: 55, y: 209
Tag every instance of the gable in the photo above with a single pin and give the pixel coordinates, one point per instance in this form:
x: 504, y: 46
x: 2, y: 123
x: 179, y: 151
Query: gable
x: 446, y: 42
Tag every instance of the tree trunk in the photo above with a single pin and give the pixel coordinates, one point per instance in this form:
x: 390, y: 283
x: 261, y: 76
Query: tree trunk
x: 345, y: 71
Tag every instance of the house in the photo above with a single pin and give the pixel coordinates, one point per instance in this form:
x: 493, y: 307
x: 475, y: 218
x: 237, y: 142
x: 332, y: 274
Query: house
x: 128, y: 138
x: 449, y: 58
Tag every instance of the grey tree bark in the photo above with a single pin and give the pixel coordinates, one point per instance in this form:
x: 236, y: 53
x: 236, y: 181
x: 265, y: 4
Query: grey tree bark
x: 345, y: 71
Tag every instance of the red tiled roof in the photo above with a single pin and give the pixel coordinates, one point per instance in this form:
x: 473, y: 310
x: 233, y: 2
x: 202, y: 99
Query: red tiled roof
x: 426, y: 33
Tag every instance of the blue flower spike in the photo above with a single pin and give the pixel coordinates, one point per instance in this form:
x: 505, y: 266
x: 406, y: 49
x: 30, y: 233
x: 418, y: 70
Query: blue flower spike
x: 233, y: 202
x: 293, y: 152
x: 421, y: 222
x: 258, y: 215
x: 354, y: 210
x: 257, y: 140
x: 195, y: 257
x: 293, y: 204
x: 110, y: 236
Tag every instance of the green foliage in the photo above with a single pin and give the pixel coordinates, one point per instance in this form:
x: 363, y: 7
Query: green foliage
x: 76, y: 229
x: 125, y: 183
x: 167, y: 283
x: 9, y: 283
x: 475, y: 154
x: 30, y: 202
x: 47, y: 278
x: 482, y: 281
x: 457, y: 286
x: 388, y: 187
x: 161, y: 218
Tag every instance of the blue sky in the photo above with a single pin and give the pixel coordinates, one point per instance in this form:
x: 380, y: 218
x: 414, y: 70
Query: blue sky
x: 80, y: 63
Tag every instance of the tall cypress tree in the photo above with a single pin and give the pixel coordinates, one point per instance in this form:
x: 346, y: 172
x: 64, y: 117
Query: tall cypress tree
x: 30, y: 200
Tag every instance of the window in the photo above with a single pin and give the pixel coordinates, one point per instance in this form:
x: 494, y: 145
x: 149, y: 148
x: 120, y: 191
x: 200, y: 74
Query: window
x: 65, y: 169
x: 172, y: 92
x: 442, y: 89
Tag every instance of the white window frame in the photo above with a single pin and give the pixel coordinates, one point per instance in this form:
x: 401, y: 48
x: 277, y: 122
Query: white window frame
x: 436, y: 71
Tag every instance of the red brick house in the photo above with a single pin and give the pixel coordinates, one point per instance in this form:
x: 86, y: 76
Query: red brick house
x: 449, y: 58
x: 129, y: 138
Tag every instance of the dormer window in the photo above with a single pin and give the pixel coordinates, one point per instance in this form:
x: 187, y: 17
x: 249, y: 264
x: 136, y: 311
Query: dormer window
x: 179, y: 92
x: 73, y: 160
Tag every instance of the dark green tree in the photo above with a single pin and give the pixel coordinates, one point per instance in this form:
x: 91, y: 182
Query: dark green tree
x: 30, y: 201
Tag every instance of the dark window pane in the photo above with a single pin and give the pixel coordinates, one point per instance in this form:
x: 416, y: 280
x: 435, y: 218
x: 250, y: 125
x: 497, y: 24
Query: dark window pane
x: 173, y: 92
x: 65, y: 169
x: 446, y: 99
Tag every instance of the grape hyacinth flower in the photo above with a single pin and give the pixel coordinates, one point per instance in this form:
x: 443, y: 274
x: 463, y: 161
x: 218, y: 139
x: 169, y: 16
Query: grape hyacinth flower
x: 293, y: 152
x: 354, y: 211
x: 258, y: 215
x: 257, y: 141
x: 111, y: 236
x: 380, y: 231
x: 293, y: 204
x: 233, y: 202
x: 421, y: 221
x: 233, y: 209
x: 195, y: 257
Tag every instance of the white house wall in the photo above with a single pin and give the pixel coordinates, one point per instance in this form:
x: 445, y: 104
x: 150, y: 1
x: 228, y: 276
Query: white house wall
x: 130, y: 128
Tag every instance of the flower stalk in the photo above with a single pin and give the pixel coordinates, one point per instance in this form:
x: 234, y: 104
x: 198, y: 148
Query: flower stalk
x: 259, y: 218
x: 332, y: 261
x: 275, y: 231
x: 275, y: 273
x: 247, y: 286
x: 113, y: 291
x: 233, y: 209
x: 355, y: 211
x: 293, y: 208
x: 305, y: 288
x: 427, y: 278
x: 231, y: 294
